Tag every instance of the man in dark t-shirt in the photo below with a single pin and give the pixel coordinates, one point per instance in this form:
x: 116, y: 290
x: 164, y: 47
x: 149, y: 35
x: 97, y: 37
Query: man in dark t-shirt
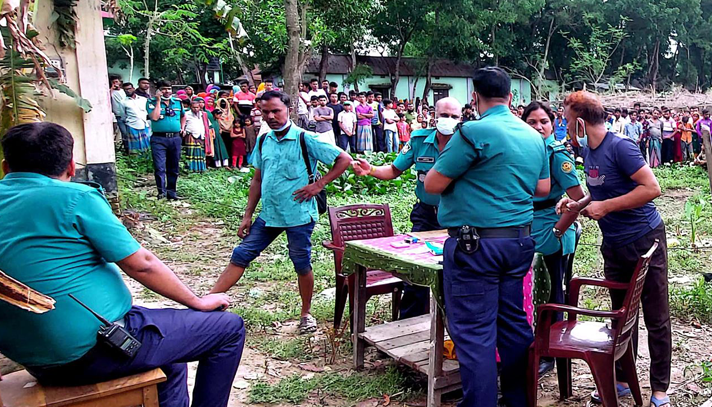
x: 623, y: 187
x: 337, y: 108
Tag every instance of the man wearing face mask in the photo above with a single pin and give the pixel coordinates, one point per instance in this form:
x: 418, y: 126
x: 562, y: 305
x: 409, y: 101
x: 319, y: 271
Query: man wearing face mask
x: 623, y: 187
x: 487, y: 176
x: 422, y: 151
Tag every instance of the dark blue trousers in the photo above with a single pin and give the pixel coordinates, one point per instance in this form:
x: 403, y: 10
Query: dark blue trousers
x: 169, y: 338
x: 166, y: 162
x: 556, y: 265
x: 416, y: 299
x: 484, y: 306
x: 347, y: 143
x: 379, y: 139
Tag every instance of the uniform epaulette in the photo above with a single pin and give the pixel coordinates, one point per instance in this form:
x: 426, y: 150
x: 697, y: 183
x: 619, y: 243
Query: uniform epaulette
x: 558, y: 146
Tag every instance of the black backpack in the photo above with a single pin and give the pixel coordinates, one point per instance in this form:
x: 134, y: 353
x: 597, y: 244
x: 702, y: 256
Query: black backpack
x: 321, y: 203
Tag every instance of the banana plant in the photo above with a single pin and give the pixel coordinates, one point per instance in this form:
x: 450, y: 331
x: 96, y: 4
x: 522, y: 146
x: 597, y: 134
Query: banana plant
x: 694, y: 213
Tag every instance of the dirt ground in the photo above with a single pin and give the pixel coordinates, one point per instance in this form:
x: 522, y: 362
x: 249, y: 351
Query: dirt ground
x: 183, y: 249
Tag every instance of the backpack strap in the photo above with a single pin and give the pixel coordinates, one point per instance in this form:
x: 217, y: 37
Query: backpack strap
x: 305, y: 156
x: 262, y: 141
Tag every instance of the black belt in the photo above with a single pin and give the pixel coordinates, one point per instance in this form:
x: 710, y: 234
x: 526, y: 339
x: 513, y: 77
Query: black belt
x: 495, y: 233
x: 433, y: 208
x: 165, y: 134
x: 549, y: 203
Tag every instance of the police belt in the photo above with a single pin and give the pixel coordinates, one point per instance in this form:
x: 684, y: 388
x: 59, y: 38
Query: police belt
x: 495, y: 233
x: 433, y: 208
x: 549, y: 203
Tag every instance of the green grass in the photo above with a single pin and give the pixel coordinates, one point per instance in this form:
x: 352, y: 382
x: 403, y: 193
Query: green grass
x: 682, y: 176
x: 299, y: 348
x: 693, y: 302
x: 353, y: 387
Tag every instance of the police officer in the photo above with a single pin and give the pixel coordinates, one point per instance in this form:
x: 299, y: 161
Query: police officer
x: 167, y: 123
x: 422, y: 150
x: 487, y: 176
x: 563, y: 179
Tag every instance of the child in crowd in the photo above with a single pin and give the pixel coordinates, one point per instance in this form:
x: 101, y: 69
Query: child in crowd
x: 417, y: 124
x: 238, y: 145
x: 250, y: 131
x: 403, y: 130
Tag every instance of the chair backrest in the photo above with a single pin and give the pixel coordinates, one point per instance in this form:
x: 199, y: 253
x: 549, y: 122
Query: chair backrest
x: 631, y: 304
x: 356, y: 222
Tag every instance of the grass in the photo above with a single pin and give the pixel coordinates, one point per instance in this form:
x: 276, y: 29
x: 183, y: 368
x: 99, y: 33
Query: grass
x: 693, y: 302
x: 299, y: 348
x: 353, y: 387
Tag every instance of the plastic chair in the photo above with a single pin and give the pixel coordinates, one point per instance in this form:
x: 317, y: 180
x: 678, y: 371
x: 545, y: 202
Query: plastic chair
x: 357, y: 222
x: 599, y: 344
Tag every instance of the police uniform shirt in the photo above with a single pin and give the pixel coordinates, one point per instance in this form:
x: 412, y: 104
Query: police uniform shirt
x: 171, y: 113
x: 495, y: 163
x: 563, y: 177
x: 422, y: 150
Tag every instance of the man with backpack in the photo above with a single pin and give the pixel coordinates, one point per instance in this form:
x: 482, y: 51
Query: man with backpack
x: 292, y: 197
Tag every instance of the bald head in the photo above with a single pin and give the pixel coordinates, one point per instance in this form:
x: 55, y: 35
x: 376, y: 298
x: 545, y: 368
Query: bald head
x: 448, y: 107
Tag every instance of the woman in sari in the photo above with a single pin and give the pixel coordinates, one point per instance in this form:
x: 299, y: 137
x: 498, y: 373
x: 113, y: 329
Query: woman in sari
x: 214, y: 147
x: 225, y: 121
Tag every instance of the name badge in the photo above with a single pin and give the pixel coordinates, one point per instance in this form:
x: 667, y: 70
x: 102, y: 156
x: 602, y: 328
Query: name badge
x: 428, y: 160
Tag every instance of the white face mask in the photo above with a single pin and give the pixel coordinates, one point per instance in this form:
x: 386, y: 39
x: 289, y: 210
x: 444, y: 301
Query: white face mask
x: 289, y: 123
x: 446, y: 125
x: 583, y: 141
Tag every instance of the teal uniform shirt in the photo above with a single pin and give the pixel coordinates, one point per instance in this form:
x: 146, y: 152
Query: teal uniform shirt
x: 59, y: 238
x: 422, y: 150
x: 495, y: 164
x: 563, y: 177
x: 283, y: 172
x: 166, y: 123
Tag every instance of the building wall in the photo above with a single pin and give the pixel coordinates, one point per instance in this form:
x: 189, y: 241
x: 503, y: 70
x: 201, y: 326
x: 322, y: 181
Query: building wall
x: 87, y: 75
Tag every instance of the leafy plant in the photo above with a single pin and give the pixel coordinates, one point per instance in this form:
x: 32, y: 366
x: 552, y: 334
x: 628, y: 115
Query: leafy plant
x: 358, y: 75
x: 694, y: 213
x: 64, y: 18
x: 693, y: 302
x: 707, y: 371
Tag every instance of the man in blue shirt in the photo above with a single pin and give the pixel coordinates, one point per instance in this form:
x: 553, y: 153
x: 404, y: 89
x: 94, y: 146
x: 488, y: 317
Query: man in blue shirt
x: 487, y: 176
x: 61, y: 238
x: 281, y: 181
x: 633, y: 130
x: 167, y: 123
x: 623, y: 187
x: 560, y: 125
x: 422, y: 150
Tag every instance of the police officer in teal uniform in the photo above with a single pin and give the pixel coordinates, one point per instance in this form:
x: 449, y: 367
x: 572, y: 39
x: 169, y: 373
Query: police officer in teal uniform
x: 487, y: 177
x: 422, y: 150
x: 563, y: 180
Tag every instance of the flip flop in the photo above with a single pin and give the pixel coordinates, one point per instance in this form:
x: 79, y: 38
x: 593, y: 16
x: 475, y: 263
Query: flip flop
x: 654, y: 401
x: 620, y: 389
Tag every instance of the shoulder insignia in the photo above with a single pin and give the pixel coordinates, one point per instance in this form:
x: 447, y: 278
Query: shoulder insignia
x: 406, y: 148
x: 558, y: 146
x: 567, y: 167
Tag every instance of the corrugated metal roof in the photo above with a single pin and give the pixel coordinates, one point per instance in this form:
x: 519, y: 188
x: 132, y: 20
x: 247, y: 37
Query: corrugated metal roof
x: 340, y: 64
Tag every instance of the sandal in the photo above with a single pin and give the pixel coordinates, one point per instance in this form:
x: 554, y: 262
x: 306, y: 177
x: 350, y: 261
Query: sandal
x: 620, y: 389
x: 307, y: 325
x: 654, y: 401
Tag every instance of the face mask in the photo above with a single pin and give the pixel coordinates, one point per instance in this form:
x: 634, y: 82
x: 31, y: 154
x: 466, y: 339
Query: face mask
x: 446, y: 125
x: 286, y: 125
x: 583, y: 141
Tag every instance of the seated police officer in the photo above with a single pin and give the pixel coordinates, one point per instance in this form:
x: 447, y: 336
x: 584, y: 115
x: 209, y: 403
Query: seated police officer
x: 61, y: 238
x: 422, y: 150
x: 487, y: 176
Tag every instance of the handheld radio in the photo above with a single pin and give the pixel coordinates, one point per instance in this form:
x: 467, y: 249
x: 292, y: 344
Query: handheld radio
x: 114, y: 335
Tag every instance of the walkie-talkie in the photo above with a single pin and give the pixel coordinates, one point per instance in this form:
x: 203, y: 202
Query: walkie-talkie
x: 113, y: 334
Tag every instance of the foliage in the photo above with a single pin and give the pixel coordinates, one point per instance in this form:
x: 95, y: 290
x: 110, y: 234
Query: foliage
x: 349, y: 184
x: 358, y: 75
x: 694, y: 212
x: 706, y: 371
x: 354, y: 387
x: 693, y: 302
x: 593, y: 56
x: 64, y: 18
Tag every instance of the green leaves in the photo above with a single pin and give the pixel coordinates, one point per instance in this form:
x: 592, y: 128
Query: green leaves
x: 80, y: 101
x: 349, y: 184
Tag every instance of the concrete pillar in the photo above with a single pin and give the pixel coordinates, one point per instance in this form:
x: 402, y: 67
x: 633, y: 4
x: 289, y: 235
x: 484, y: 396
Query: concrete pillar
x: 86, y: 73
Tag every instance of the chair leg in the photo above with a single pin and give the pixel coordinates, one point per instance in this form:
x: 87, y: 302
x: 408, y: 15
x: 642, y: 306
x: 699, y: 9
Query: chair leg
x: 340, y: 301
x: 395, y: 302
x: 628, y: 366
x: 604, y: 374
x: 352, y: 290
x: 533, y: 377
x: 563, y: 372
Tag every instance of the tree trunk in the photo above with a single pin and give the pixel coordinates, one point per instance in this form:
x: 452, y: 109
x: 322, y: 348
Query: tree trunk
x: 291, y: 60
x: 415, y: 86
x: 147, y: 49
x: 324, y: 64
x: 396, y: 76
x: 653, y: 71
x: 428, y: 81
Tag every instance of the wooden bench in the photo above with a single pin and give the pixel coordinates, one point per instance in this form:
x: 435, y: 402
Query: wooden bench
x: 20, y: 389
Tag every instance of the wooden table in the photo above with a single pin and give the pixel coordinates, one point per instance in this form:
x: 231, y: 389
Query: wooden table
x: 416, y: 342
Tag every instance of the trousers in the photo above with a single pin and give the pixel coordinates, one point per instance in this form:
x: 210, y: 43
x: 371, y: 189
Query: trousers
x: 347, y: 143
x: 165, y: 152
x: 169, y: 339
x: 379, y: 141
x: 484, y: 303
x: 416, y: 299
x: 618, y: 265
x: 392, y: 141
x: 556, y: 266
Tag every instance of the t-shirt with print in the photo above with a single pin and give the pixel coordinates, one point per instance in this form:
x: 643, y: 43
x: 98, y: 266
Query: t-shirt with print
x: 608, y: 170
x: 392, y: 115
x: 348, y: 119
x: 364, y: 109
x: 323, y: 126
